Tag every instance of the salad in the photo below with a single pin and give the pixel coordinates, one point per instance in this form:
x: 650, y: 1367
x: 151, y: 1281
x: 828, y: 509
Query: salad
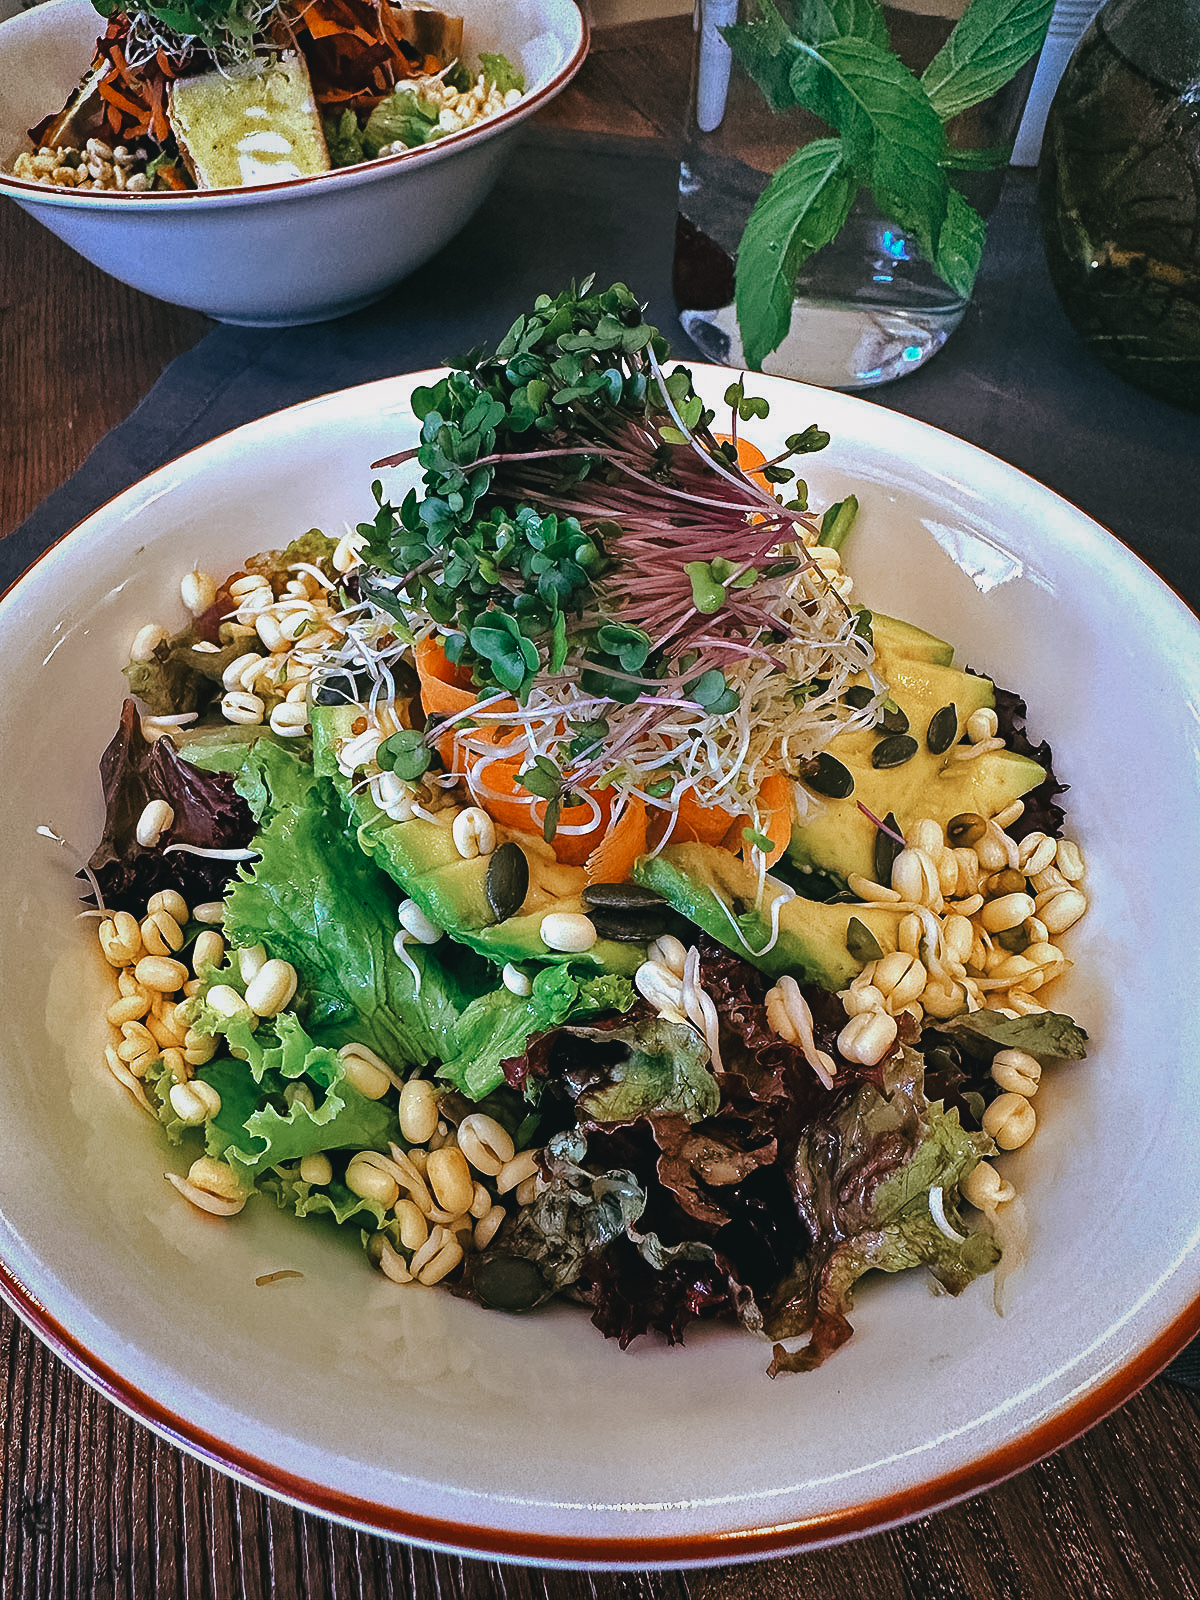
x: 210, y: 95
x: 564, y: 883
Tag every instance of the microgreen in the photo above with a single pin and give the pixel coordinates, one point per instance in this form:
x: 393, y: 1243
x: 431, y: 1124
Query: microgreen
x: 577, y: 530
x: 404, y: 753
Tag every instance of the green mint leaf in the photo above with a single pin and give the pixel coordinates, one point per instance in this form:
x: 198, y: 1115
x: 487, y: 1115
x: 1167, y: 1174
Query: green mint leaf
x: 990, y: 44
x: 802, y: 208
x: 891, y: 134
x: 822, y: 20
x: 990, y: 159
x: 765, y: 50
x: 960, y: 245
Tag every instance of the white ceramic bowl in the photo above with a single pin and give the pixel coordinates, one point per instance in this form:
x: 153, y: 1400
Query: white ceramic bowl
x: 409, y: 1412
x: 284, y: 253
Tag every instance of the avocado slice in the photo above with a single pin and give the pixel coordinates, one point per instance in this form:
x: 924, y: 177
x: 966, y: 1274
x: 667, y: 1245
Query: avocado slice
x: 836, y: 835
x: 422, y: 858
x: 905, y: 641
x: 712, y: 887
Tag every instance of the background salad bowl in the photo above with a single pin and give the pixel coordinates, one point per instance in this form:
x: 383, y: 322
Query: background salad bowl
x: 408, y: 1412
x: 299, y: 251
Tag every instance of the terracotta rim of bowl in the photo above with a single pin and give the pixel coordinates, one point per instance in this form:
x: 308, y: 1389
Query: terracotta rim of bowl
x: 363, y: 172
x: 736, y: 1544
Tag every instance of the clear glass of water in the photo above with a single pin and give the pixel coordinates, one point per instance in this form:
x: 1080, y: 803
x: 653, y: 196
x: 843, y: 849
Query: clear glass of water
x: 868, y: 306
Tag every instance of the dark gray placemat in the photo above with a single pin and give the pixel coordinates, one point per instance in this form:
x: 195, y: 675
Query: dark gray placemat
x: 1013, y: 379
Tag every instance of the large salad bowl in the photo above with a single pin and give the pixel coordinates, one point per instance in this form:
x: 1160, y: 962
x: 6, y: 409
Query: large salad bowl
x: 410, y: 1413
x: 299, y: 251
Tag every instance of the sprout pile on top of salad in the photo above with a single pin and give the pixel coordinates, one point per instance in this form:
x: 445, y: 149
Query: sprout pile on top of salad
x: 491, y: 881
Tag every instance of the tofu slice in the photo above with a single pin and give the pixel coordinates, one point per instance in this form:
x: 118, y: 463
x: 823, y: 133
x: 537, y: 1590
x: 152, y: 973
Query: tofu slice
x: 255, y: 124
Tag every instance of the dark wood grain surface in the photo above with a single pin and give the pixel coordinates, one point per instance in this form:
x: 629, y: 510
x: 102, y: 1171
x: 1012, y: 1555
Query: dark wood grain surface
x: 93, y: 1504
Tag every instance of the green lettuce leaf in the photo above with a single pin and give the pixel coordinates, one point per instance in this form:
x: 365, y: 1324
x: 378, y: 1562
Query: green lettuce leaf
x: 314, y: 899
x: 343, y: 139
x: 499, y: 70
x: 252, y: 1133
x: 1049, y: 1035
x: 404, y: 117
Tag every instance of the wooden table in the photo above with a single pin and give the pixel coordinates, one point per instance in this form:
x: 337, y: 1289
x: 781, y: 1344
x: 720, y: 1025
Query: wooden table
x: 93, y: 1504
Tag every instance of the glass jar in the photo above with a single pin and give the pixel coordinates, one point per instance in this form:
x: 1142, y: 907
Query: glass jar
x: 867, y: 305
x: 1119, y: 194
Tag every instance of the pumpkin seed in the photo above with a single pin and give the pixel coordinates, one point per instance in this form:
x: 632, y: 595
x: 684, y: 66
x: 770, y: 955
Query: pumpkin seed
x: 887, y: 849
x: 509, y: 1283
x: 892, y: 719
x: 1015, y: 940
x: 630, y: 913
x: 964, y: 829
x: 634, y: 927
x: 339, y: 689
x: 861, y: 942
x: 827, y: 775
x: 621, y: 896
x: 858, y: 695
x: 507, y: 881
x: 942, y: 730
x: 894, y: 751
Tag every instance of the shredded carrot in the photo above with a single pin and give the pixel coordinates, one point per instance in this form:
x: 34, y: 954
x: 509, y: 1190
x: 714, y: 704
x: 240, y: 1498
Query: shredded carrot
x: 115, y: 98
x: 692, y: 823
x: 445, y: 688
x: 525, y: 813
x: 775, y: 808
x: 613, y: 858
x: 749, y: 456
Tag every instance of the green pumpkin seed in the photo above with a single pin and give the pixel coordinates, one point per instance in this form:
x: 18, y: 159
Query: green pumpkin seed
x: 894, y: 751
x: 827, y: 775
x: 630, y: 913
x: 621, y: 896
x: 509, y: 1283
x: 942, y: 730
x: 964, y: 829
x: 886, y: 849
x: 861, y: 942
x: 858, y: 695
x: 507, y: 881
x: 892, y: 719
x: 1015, y: 940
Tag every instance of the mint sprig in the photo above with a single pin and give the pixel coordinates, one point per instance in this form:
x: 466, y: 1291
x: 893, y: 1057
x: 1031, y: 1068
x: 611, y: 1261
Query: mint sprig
x: 835, y: 60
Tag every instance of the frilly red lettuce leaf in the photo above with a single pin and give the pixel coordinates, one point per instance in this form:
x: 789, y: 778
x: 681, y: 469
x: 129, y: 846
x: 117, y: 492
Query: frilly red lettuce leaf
x: 862, y: 1183
x: 208, y: 813
x: 1042, y: 811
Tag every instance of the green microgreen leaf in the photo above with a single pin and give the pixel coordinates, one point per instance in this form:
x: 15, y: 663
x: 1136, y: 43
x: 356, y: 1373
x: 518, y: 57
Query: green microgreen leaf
x: 758, y: 840
x: 543, y: 778
x: 707, y: 594
x: 404, y: 753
